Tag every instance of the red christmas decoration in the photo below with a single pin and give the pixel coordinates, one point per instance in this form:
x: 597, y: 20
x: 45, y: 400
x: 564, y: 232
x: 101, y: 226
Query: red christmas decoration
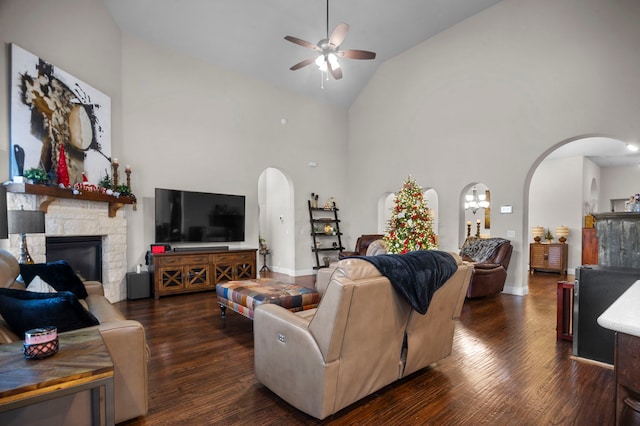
x: 63, y: 171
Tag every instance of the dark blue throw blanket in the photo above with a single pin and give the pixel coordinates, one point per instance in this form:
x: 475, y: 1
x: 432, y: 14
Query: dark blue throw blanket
x: 416, y: 275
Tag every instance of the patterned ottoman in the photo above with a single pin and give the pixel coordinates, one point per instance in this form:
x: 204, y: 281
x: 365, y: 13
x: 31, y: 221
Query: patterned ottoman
x: 244, y: 296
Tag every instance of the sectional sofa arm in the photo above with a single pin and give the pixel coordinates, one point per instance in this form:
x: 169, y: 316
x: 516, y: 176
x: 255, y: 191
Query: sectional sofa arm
x: 94, y: 287
x: 126, y: 342
x: 274, y: 324
x: 288, y: 360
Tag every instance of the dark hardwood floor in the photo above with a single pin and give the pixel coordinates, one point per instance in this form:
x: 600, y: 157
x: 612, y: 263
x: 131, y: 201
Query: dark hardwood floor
x: 506, y: 369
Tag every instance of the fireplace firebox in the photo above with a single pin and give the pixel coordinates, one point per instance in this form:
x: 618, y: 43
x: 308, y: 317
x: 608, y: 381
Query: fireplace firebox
x: 83, y: 253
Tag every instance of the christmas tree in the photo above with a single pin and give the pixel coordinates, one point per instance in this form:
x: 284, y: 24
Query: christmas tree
x: 409, y: 228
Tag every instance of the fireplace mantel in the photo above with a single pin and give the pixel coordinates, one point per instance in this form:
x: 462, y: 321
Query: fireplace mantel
x: 51, y: 193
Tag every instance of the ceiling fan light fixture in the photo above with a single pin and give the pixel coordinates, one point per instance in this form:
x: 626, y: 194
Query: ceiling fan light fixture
x: 333, y: 60
x: 328, y: 50
x: 321, y: 62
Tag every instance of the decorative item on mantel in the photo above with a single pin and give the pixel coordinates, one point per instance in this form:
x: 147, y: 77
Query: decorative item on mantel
x: 538, y: 233
x: 562, y: 233
x: 36, y: 175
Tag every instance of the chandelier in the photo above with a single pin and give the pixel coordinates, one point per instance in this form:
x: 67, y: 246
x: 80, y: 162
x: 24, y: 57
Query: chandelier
x: 474, y: 201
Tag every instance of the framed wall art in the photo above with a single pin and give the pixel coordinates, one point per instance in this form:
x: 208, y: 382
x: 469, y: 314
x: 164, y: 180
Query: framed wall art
x: 54, y: 115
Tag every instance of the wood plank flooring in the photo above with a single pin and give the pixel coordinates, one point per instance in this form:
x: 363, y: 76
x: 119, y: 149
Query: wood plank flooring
x: 506, y: 369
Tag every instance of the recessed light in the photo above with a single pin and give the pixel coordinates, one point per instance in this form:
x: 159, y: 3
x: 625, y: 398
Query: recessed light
x: 632, y: 147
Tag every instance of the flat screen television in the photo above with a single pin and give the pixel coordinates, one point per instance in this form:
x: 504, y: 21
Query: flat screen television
x: 198, y: 217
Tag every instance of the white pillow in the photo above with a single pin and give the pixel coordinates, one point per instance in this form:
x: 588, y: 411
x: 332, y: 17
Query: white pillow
x: 38, y: 285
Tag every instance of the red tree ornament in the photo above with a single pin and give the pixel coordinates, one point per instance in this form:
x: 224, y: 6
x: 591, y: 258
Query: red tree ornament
x: 63, y: 171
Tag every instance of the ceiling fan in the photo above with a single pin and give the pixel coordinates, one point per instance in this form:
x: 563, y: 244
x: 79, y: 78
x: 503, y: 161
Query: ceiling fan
x: 328, y: 50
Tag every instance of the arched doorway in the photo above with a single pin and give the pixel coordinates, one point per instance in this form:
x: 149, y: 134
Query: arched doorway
x: 276, y: 222
x: 593, y: 172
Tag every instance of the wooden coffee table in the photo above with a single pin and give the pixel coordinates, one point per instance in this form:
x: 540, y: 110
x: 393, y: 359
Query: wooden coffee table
x: 82, y: 363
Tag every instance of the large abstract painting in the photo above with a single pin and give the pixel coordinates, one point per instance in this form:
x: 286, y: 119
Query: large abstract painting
x: 54, y: 112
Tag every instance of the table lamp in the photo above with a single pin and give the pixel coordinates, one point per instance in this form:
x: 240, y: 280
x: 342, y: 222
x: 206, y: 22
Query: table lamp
x: 538, y: 233
x: 562, y: 232
x: 25, y: 222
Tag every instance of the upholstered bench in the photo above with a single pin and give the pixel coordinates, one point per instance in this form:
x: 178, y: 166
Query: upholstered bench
x: 244, y: 296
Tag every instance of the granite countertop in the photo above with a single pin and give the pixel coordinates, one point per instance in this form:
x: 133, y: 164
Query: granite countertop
x: 623, y: 315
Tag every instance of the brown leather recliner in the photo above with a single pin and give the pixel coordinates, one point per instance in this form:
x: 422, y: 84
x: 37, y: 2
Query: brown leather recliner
x: 490, y: 258
x: 361, y: 245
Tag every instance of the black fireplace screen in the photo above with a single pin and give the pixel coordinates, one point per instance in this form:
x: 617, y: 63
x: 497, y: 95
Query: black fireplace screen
x: 83, y: 253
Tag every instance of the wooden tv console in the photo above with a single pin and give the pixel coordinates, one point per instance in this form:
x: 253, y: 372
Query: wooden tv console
x: 201, y: 270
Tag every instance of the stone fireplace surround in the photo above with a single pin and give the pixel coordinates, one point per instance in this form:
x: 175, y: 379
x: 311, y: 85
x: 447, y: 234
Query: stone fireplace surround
x: 73, y: 217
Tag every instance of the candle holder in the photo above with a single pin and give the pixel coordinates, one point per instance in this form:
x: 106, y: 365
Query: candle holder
x: 114, y: 166
x: 478, y: 229
x: 468, y: 229
x: 127, y: 170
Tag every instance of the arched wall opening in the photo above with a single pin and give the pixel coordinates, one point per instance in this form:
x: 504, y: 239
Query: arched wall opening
x: 276, y: 219
x: 572, y: 179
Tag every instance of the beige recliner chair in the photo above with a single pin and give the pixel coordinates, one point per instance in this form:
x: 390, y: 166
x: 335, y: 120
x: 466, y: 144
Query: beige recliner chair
x: 353, y: 344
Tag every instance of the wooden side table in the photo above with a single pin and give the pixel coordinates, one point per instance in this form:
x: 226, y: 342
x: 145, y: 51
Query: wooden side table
x: 82, y: 363
x: 264, y: 254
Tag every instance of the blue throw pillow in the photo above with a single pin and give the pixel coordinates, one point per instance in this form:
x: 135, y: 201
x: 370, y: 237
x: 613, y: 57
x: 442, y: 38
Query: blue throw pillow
x: 58, y: 275
x: 24, y: 310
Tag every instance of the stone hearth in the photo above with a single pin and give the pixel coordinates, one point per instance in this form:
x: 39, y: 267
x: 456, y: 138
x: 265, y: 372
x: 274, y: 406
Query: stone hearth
x: 71, y: 217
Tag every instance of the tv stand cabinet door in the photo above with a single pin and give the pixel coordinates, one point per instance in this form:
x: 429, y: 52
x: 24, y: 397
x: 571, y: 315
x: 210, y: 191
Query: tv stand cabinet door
x: 240, y: 265
x: 168, y: 276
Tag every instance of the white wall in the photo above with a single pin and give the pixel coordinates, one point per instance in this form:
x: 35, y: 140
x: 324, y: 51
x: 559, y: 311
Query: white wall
x: 192, y: 125
x: 618, y: 182
x: 556, y: 199
x: 485, y: 100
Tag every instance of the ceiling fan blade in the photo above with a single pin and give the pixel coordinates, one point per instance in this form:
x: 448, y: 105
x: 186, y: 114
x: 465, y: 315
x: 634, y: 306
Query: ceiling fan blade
x: 338, y: 35
x: 335, y: 72
x: 357, y: 54
x: 303, y: 64
x: 302, y: 43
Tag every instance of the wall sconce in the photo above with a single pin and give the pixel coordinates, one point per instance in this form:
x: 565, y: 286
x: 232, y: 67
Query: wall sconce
x: 474, y: 201
x: 25, y: 222
x: 538, y: 233
x: 562, y: 232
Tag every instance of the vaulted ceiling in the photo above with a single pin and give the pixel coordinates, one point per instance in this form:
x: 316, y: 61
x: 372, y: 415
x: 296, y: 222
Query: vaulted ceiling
x: 247, y: 36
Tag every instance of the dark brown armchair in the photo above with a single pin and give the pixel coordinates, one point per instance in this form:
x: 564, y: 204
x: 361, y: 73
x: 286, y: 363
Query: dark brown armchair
x: 490, y: 258
x: 362, y: 244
